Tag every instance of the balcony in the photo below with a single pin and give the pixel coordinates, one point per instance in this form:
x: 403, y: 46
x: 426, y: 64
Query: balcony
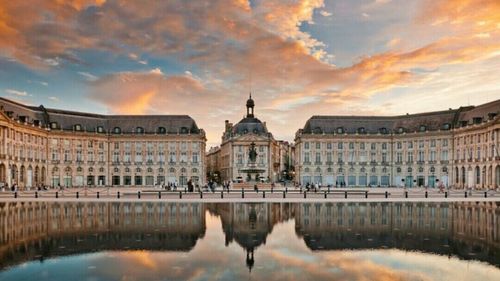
x: 307, y: 163
x: 363, y: 163
x: 432, y: 162
x: 444, y: 162
x: 420, y: 162
x: 68, y: 162
x: 54, y: 162
x: 329, y: 162
x: 317, y: 163
x: 138, y: 163
x: 90, y: 162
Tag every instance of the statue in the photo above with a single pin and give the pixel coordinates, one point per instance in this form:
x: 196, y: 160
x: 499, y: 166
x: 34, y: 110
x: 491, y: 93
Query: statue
x: 252, y: 153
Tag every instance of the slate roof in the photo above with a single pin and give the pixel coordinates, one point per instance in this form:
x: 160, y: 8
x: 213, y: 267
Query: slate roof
x: 66, y: 120
x: 249, y: 125
x: 430, y: 121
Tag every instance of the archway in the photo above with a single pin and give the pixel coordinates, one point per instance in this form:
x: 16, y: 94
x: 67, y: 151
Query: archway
x: 3, y: 173
x: 43, y: 176
x: 497, y: 176
x: 29, y: 177
x: 14, y: 174
x: 463, y: 177
x: 22, y: 175
x: 37, y: 175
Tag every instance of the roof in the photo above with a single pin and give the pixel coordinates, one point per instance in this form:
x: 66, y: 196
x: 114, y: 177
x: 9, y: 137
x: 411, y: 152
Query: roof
x: 429, y: 121
x: 249, y: 125
x: 66, y: 120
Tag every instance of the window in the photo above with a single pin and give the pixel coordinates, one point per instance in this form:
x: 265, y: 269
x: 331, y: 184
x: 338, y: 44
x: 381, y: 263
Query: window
x: 384, y: 146
x: 445, y: 142
x: 139, y: 130
x: 78, y: 127
x: 422, y: 128
x: 446, y: 126
x: 328, y: 145
x: 410, y: 145
x: 306, y: 145
x: 362, y: 146
x: 100, y: 129
x: 340, y: 130
x: 383, y: 131
x: 433, y: 143
x: 399, y: 145
x: 318, y: 145
x: 401, y: 130
x: 444, y: 155
x: 373, y: 146
x: 351, y: 145
x: 341, y: 145
x: 117, y: 130
x: 410, y: 157
x: 161, y: 130
x: 318, y: 157
x: 306, y: 157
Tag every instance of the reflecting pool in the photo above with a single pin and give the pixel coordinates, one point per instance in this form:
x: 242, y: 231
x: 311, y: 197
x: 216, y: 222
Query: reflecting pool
x: 249, y: 241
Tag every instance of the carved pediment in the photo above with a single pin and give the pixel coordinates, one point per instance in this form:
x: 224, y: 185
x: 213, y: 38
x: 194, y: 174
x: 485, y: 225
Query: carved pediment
x: 250, y: 138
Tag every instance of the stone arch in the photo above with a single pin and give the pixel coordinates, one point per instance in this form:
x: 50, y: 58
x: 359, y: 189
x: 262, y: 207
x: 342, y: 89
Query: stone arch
x: 477, y: 176
x: 37, y: 175
x: 43, y: 176
x: 22, y: 175
x: 3, y: 173
x: 463, y: 177
x: 497, y: 176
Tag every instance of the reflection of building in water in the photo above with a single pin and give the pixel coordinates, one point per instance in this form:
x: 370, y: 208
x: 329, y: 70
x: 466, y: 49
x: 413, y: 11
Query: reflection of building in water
x: 52, y: 228
x: 250, y: 224
x: 410, y: 226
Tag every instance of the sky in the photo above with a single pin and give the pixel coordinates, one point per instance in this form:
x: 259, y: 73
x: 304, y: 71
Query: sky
x: 298, y: 58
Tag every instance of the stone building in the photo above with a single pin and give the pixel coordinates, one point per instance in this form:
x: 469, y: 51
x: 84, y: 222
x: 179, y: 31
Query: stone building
x: 58, y: 147
x: 232, y: 157
x: 455, y: 147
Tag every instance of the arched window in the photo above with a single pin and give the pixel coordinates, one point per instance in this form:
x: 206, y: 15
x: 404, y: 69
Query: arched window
x: 184, y: 130
x: 100, y: 129
x: 91, y: 170
x: 171, y: 170
x: 422, y: 128
x: 78, y: 127
x: 127, y: 170
x: 317, y: 130
x: 401, y: 130
x: 306, y: 170
x: 398, y: 169
x: 160, y: 170
x: 445, y: 170
x: 161, y: 130
x: 383, y: 131
x: 432, y: 170
x: 138, y: 170
x: 139, y: 130
x: 341, y: 170
x: 420, y: 169
x: 116, y: 170
x: 194, y: 170
x: 410, y: 170
x: 117, y: 130
x: 150, y: 170
x: 79, y: 169
x: 340, y: 130
x: 361, y: 130
x: 53, y: 125
x: 446, y: 126
x: 183, y: 170
x: 101, y: 170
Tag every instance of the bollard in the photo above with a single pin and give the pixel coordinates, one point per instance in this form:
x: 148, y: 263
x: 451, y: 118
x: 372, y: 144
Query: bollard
x: 138, y: 194
x: 284, y: 194
x: 426, y: 195
x: 465, y: 195
x: 118, y: 194
x: 180, y: 194
x: 263, y: 194
x: 201, y: 194
x: 305, y: 194
x: 159, y: 194
x: 446, y: 194
x: 15, y: 194
x: 185, y: 190
x: 406, y: 194
x: 366, y: 194
x: 272, y: 190
x: 242, y: 193
x: 325, y: 194
x: 57, y: 194
x: 386, y: 194
x: 345, y: 194
x: 36, y: 194
x: 97, y: 194
x: 222, y: 194
x: 286, y: 189
x: 77, y: 194
x: 486, y: 194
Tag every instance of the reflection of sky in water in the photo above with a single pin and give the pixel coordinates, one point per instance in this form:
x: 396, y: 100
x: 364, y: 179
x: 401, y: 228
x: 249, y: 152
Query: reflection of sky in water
x: 283, y: 257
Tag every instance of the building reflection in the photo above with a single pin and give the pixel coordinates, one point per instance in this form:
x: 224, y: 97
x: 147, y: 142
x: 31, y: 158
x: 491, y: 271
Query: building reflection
x: 39, y: 230
x: 45, y: 229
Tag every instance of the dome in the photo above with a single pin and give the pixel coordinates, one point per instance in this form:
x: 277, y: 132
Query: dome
x: 249, y: 125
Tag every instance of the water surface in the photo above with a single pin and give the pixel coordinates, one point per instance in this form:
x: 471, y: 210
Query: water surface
x: 242, y: 241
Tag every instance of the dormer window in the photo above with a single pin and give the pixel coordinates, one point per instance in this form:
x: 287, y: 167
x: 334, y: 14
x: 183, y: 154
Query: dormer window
x: 340, y: 130
x: 255, y: 131
x: 117, y: 130
x: 100, y: 129
x: 162, y: 130
x: 477, y: 120
x: 422, y: 128
x: 139, y: 130
x: 53, y: 125
x: 446, y: 126
x: 185, y: 130
x: 78, y: 127
x: 361, y: 130
x: 463, y: 123
x: 401, y: 130
x: 383, y: 131
x: 245, y: 131
x: 317, y: 130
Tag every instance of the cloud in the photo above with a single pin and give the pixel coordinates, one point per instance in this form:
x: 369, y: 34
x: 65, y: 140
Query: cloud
x: 88, y: 76
x: 325, y: 13
x: 54, y: 99
x: 16, y: 92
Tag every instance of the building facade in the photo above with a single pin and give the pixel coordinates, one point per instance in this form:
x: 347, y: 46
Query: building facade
x: 57, y: 147
x: 456, y: 147
x: 231, y: 159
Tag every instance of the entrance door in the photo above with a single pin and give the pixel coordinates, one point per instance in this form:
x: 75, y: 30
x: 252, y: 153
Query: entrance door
x: 420, y: 181
x: 409, y: 181
x: 432, y: 181
x: 90, y: 180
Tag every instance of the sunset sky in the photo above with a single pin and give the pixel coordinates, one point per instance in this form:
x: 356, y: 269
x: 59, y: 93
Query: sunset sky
x: 298, y: 58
